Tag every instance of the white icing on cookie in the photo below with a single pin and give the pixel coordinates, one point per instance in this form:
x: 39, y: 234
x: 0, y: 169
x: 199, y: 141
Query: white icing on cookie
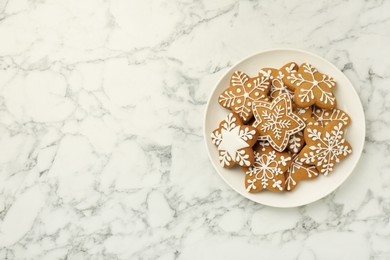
x: 327, y: 149
x: 231, y: 139
x: 295, y: 142
x: 278, y: 118
x: 265, y: 169
x: 291, y: 180
x: 324, y: 116
x: 240, y: 98
x: 307, y: 94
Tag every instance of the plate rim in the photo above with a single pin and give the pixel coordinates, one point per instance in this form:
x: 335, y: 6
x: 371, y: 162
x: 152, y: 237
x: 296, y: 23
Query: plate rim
x: 205, y: 134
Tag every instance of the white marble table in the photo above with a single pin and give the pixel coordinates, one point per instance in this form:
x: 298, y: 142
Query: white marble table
x: 101, y: 146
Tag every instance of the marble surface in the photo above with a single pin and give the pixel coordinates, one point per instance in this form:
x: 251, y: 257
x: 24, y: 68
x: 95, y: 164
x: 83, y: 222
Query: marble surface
x: 101, y: 147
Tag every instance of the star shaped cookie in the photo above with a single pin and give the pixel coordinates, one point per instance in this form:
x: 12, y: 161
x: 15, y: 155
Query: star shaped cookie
x: 325, y: 146
x: 311, y: 87
x: 267, y: 171
x: 242, y: 92
x: 234, y: 141
x: 276, y: 121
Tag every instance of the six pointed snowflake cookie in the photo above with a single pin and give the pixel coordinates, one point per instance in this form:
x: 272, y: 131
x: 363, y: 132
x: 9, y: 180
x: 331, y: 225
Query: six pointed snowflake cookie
x: 299, y: 171
x: 276, y: 122
x: 234, y: 141
x: 325, y: 146
x: 267, y: 171
x: 242, y: 92
x: 276, y: 78
x: 311, y: 87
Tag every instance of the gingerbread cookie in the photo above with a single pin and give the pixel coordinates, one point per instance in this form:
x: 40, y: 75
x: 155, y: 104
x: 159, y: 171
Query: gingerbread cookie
x: 242, y: 92
x: 267, y: 171
x: 276, y: 77
x: 325, y: 146
x: 276, y: 122
x: 297, y: 172
x: 311, y: 87
x: 234, y: 141
x: 324, y: 116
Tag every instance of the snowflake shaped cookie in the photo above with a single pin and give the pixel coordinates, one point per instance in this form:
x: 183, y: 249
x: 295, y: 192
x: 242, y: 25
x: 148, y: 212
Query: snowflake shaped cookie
x: 297, y: 172
x: 325, y: 146
x: 324, y: 116
x: 311, y: 87
x: 267, y: 171
x: 234, y: 141
x: 276, y: 122
x: 276, y: 78
x: 242, y: 92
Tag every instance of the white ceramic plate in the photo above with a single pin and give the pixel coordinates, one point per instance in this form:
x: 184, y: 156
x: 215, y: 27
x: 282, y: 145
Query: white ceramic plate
x: 347, y: 100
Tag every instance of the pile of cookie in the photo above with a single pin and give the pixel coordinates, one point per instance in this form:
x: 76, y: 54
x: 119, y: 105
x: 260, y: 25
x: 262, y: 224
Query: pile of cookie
x: 284, y: 127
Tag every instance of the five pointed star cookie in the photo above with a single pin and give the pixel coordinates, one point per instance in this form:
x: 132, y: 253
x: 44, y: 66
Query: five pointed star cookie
x: 276, y: 122
x: 234, y: 141
x: 242, y: 92
x: 276, y: 78
x: 297, y: 172
x: 267, y: 171
x: 325, y: 146
x: 311, y: 87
